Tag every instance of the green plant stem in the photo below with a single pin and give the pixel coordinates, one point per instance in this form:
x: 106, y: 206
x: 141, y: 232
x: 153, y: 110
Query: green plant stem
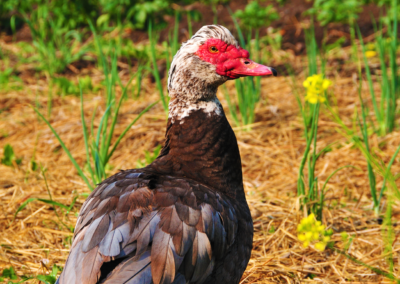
x: 49, y: 97
x: 51, y: 199
x: 313, y: 159
x: 189, y: 21
x: 386, y: 174
x: 371, y: 88
x: 85, y: 136
x: 353, y: 37
x: 305, y: 155
x: 371, y: 175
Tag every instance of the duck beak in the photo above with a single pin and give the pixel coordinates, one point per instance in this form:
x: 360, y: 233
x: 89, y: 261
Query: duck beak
x: 246, y: 67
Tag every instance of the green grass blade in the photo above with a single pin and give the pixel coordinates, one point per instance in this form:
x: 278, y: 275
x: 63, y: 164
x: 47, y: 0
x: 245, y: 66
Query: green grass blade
x: 52, y: 202
x: 370, y: 84
x: 127, y: 128
x: 110, y: 103
x: 333, y: 173
x: 23, y: 205
x: 92, y: 121
x: 114, y: 121
x: 387, y: 173
x: 241, y: 38
x: 364, y: 131
x: 77, y: 167
x: 103, y: 118
x: 371, y: 175
x: 175, y: 42
x: 374, y: 269
x: 85, y: 136
x: 189, y: 21
x: 393, y: 66
x: 155, y: 69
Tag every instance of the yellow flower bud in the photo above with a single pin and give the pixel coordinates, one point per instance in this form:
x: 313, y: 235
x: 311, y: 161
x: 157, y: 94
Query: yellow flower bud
x: 320, y: 246
x: 301, y: 237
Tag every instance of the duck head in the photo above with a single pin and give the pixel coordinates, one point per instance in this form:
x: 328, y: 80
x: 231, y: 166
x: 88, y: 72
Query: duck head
x: 210, y: 58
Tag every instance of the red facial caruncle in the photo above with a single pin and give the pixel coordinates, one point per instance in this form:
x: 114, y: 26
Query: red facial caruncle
x: 231, y: 61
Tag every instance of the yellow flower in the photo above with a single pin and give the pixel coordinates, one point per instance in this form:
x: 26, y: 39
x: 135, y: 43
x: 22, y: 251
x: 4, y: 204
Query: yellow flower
x: 316, y: 85
x: 310, y: 230
x: 370, y: 46
x: 370, y: 53
x: 301, y: 237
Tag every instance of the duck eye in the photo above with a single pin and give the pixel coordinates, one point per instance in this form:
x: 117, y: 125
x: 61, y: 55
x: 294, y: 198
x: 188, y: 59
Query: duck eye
x: 213, y: 49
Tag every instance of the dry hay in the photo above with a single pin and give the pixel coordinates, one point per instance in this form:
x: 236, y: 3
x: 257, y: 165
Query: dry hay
x: 271, y: 152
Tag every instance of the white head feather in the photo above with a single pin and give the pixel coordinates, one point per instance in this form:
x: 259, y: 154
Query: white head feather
x: 193, y: 82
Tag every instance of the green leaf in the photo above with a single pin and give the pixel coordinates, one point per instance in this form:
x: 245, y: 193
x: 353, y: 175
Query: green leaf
x: 102, y: 19
x: 34, y: 165
x: 334, y: 11
x: 48, y: 279
x: 55, y: 203
x: 9, y: 273
x: 255, y: 16
x: 47, y: 201
x: 23, y: 205
x: 55, y: 269
x: 9, y: 156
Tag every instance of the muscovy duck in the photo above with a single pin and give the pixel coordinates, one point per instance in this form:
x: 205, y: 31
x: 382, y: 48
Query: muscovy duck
x: 183, y: 218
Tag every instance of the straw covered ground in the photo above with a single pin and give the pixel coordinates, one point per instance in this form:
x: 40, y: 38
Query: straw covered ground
x: 271, y: 153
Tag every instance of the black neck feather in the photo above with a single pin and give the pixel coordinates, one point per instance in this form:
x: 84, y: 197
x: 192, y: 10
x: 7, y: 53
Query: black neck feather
x: 202, y: 147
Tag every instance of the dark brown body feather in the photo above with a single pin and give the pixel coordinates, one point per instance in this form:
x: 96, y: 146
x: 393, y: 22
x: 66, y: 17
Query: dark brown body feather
x: 182, y: 219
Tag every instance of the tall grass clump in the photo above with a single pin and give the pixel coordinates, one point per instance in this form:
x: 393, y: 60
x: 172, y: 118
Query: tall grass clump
x: 248, y: 89
x: 359, y: 135
x: 386, y: 49
x: 154, y: 69
x: 384, y: 111
x: 54, y: 43
x: 172, y: 45
x: 98, y: 142
x: 363, y: 126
